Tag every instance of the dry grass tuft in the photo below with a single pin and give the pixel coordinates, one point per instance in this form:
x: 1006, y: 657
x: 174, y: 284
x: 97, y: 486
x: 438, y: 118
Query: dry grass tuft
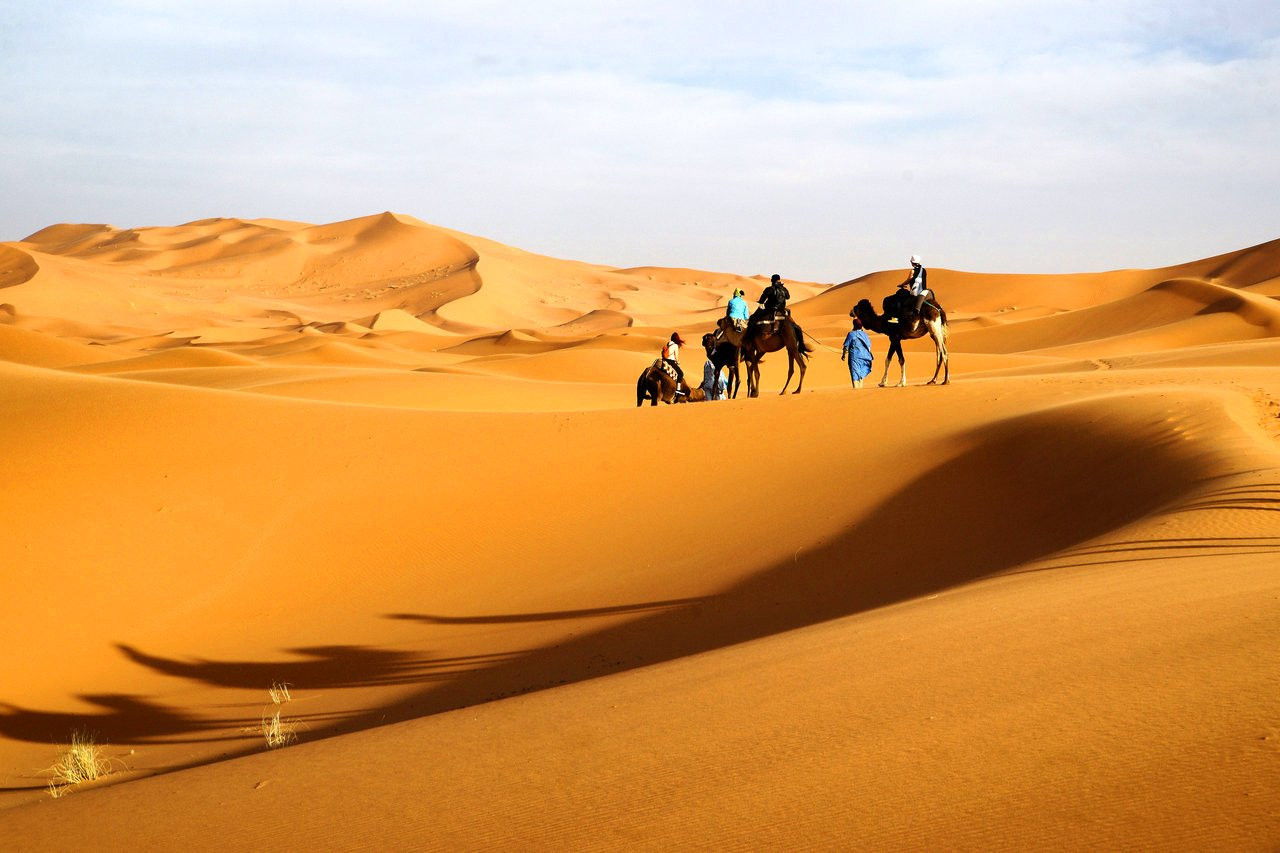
x: 278, y: 732
x: 81, y: 761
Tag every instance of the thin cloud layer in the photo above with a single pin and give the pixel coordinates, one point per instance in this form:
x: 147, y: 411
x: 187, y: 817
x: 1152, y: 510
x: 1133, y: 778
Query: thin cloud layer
x: 819, y: 140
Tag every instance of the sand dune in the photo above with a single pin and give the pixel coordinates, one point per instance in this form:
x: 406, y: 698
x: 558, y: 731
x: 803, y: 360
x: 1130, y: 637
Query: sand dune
x: 400, y: 468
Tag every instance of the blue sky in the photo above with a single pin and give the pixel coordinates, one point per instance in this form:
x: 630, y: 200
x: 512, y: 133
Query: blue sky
x: 821, y: 140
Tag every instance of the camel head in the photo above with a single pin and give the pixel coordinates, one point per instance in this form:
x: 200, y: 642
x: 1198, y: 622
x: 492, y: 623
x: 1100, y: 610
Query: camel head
x: 709, y: 343
x: 863, y: 310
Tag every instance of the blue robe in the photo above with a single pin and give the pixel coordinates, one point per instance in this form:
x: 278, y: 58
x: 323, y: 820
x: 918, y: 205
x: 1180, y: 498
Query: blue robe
x: 858, y: 346
x: 713, y: 384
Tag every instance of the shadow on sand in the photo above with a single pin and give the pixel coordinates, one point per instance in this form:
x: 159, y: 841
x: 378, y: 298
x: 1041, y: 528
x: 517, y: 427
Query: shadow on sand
x: 1017, y: 495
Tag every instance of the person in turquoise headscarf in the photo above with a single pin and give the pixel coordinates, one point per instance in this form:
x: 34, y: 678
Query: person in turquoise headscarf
x: 738, y: 311
x: 857, y: 352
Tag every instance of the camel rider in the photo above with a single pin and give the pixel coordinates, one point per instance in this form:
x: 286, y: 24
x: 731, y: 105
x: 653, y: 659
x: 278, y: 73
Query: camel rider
x: 917, y: 283
x: 671, y: 355
x: 738, y: 312
x: 774, y: 299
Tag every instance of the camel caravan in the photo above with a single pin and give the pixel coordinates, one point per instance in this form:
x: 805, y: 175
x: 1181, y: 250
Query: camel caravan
x: 740, y: 337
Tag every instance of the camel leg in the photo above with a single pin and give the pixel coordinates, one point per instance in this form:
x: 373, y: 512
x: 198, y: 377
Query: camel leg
x: 895, y: 345
x: 902, y: 363
x: 803, y: 367
x: 791, y: 367
x: 946, y: 353
x: 940, y: 352
x: 937, y: 352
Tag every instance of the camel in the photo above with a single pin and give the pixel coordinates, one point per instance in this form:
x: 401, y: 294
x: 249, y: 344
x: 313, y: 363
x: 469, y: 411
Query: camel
x: 761, y: 337
x: 656, y: 384
x: 722, y: 355
x: 931, y: 321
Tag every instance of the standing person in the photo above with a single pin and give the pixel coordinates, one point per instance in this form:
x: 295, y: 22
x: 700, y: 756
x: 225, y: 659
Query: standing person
x: 857, y: 352
x: 671, y: 355
x: 713, y: 384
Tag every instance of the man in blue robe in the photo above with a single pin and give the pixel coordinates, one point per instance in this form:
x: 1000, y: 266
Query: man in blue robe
x: 857, y: 352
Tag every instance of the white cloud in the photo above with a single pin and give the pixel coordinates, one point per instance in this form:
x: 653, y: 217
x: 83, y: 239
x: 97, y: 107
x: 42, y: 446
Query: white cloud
x: 817, y: 138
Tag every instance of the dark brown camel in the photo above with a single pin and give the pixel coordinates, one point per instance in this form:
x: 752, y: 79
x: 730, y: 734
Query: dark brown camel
x: 931, y: 321
x: 722, y: 355
x: 765, y: 336
x: 656, y: 384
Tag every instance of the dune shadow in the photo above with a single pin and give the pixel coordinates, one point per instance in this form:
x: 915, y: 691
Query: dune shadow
x: 548, y: 616
x: 1017, y: 494
x: 319, y: 667
x: 123, y: 718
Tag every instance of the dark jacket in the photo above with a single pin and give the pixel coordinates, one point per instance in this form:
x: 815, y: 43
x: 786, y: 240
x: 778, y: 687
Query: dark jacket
x: 775, y: 297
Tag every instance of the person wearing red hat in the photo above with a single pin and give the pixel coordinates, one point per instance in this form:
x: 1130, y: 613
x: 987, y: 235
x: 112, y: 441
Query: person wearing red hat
x: 671, y: 355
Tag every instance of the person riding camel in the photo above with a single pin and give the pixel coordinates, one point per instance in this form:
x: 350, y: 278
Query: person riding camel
x: 738, y: 312
x: 774, y: 298
x: 910, y: 295
x: 671, y: 355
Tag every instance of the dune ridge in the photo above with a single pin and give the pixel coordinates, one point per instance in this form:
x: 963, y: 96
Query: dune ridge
x: 401, y: 469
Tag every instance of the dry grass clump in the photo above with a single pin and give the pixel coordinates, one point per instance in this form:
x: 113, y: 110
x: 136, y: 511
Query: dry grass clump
x: 276, y: 731
x: 279, y: 693
x: 81, y: 761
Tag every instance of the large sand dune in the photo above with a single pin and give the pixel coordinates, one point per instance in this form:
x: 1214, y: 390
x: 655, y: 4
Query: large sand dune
x: 400, y: 468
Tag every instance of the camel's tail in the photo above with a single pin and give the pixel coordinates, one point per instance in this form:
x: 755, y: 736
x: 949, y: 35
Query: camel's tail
x: 805, y: 349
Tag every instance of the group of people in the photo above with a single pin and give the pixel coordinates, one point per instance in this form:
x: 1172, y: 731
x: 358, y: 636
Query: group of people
x: 714, y: 385
x: 910, y: 296
x: 856, y: 351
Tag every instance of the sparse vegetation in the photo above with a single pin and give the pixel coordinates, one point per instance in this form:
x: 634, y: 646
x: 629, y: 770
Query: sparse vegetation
x: 81, y: 761
x: 278, y: 732
x: 279, y: 693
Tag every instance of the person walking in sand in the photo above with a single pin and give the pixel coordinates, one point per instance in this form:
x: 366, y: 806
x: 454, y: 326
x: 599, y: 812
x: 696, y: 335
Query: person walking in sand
x: 857, y: 352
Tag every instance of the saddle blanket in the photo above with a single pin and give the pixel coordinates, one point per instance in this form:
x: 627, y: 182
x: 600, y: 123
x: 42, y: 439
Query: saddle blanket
x: 663, y: 365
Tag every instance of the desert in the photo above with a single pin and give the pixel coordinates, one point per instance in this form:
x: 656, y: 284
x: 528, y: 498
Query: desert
x: 399, y: 472
x: 640, y: 426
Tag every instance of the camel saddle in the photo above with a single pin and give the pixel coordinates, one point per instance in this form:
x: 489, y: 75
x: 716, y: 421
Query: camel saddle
x: 772, y: 320
x: 665, y: 367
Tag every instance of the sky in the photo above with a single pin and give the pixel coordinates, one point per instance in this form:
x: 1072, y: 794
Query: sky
x: 820, y: 140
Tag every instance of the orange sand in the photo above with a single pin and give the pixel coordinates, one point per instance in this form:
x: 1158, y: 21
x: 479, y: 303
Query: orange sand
x: 400, y: 468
